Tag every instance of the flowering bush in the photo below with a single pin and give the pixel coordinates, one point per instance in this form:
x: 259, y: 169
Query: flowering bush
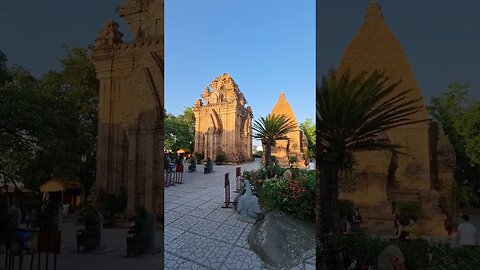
x: 295, y: 196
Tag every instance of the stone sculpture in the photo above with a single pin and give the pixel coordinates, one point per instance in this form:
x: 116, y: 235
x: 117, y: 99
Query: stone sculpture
x: 248, y: 206
x: 209, y: 166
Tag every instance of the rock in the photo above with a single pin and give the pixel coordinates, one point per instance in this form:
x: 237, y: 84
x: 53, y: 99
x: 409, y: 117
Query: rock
x: 283, y: 241
x: 391, y: 258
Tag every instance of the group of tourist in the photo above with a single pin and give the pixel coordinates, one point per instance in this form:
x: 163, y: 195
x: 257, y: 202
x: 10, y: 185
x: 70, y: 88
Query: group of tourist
x: 467, y: 234
x: 408, y: 231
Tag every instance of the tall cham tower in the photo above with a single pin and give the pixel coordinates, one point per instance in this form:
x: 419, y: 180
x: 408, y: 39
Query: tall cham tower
x: 296, y: 145
x: 385, y: 179
x: 223, y: 124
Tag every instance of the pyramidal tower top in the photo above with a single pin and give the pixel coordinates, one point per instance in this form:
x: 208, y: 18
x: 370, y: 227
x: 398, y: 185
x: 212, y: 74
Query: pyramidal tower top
x: 375, y: 47
x: 283, y: 108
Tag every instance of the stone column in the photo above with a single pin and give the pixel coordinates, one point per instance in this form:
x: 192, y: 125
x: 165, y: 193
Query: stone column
x: 132, y: 170
x: 149, y: 173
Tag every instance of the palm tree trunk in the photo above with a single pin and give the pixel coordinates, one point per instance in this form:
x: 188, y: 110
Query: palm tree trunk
x: 318, y: 219
x: 329, y: 218
x: 268, y: 154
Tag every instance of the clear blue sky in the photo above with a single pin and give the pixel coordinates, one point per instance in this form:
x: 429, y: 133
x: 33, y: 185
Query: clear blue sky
x: 440, y: 38
x: 267, y: 47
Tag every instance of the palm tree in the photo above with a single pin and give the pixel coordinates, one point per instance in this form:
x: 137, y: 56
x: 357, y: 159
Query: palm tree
x: 353, y: 114
x: 270, y: 129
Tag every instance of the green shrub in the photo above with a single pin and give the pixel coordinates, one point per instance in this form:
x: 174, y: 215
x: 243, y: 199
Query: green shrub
x: 269, y: 191
x: 296, y: 196
x: 416, y: 252
x: 220, y: 157
x: 199, y: 156
x: 408, y: 209
x: 299, y: 199
x: 292, y: 159
x: 112, y: 203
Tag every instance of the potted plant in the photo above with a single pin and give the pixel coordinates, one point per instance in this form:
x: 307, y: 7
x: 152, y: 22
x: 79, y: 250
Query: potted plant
x: 136, y: 242
x: 220, y: 158
x: 199, y: 157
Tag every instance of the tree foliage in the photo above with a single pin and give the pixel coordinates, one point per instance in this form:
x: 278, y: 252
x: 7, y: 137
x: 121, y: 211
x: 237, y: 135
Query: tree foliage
x: 460, y: 118
x: 308, y: 128
x: 271, y: 129
x: 48, y: 124
x: 180, y: 130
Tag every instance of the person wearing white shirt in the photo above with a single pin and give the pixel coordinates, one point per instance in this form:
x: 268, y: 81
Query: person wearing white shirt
x: 466, y: 233
x: 311, y: 166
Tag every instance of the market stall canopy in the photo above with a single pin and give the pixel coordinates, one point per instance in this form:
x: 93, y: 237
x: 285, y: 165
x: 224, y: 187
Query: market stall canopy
x: 56, y: 185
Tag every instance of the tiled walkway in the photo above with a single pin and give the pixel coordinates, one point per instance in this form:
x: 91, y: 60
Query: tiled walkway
x: 199, y: 234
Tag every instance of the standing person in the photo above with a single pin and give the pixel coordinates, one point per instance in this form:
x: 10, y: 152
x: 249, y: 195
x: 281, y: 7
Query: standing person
x: 168, y: 160
x: 467, y: 233
x: 356, y: 220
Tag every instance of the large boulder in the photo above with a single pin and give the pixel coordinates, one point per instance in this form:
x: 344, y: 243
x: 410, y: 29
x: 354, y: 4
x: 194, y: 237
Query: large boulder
x: 283, y: 241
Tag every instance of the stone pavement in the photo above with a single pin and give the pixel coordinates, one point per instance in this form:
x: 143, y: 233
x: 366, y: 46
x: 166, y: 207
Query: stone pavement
x: 114, y: 241
x: 199, y: 234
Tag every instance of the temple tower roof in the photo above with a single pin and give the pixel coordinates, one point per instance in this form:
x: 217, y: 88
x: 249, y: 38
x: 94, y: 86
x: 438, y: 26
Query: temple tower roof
x: 375, y: 47
x: 283, y: 107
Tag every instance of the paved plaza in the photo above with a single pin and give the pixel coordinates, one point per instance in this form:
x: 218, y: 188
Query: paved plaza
x: 199, y: 234
x: 114, y: 256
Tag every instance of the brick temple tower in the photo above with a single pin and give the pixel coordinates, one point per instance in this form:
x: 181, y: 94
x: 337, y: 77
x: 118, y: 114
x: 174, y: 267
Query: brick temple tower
x: 385, y: 179
x: 223, y: 123
x: 130, y: 126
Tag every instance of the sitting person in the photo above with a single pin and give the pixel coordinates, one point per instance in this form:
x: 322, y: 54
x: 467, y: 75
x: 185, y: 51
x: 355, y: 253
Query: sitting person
x: 412, y: 230
x: 209, y: 166
x: 467, y: 233
x: 193, y: 165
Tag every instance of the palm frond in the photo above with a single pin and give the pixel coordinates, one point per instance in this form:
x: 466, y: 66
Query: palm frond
x: 353, y: 113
